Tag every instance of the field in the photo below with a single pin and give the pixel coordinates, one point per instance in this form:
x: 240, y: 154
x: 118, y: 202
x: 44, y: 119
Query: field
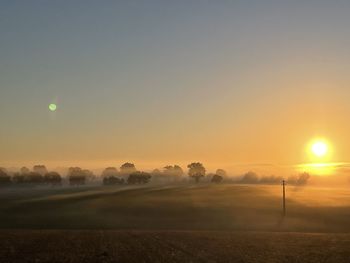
x: 179, y: 223
x: 192, y: 246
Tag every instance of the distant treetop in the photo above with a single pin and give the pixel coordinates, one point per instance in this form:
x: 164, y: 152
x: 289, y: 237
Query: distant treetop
x: 127, y: 168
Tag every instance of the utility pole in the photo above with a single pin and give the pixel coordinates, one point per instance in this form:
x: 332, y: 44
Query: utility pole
x: 284, y: 197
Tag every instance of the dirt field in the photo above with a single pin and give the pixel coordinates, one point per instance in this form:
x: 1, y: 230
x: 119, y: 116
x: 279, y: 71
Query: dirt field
x: 132, y: 246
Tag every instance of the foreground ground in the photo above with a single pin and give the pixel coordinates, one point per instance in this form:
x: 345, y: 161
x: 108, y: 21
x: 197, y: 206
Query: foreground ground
x: 178, y: 223
x: 159, y: 246
x: 204, y: 207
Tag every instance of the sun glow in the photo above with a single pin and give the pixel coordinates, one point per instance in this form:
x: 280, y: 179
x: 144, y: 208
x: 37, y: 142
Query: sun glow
x: 318, y: 168
x: 319, y: 152
x: 319, y: 148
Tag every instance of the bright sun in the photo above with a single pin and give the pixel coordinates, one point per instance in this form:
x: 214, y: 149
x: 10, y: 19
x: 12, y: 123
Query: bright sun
x: 320, y: 155
x: 319, y: 148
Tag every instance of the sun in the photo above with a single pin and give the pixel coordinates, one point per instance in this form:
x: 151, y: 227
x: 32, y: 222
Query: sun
x: 320, y: 155
x: 319, y: 148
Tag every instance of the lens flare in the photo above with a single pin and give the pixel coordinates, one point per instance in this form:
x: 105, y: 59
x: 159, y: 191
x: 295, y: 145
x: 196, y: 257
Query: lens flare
x: 52, y: 107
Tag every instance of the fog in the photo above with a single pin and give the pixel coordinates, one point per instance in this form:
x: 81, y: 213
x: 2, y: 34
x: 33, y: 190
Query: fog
x: 172, y: 197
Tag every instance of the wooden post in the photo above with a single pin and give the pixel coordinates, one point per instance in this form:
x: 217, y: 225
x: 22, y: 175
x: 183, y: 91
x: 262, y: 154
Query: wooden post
x: 284, y: 197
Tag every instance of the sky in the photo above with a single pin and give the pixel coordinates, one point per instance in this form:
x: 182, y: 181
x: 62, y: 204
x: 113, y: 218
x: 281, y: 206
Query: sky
x: 226, y: 83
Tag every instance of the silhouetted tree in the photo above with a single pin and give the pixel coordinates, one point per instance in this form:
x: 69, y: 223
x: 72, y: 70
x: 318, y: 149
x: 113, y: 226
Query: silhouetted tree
x: 127, y: 169
x: 168, y: 169
x: 178, y: 170
x: 25, y: 176
x: 111, y: 177
x: 173, y: 172
x: 303, y: 178
x: 5, y: 178
x: 89, y: 174
x: 53, y: 178
x: 76, y: 176
x: 139, y: 178
x: 19, y: 178
x: 24, y: 171
x: 250, y: 178
x: 216, y: 178
x: 157, y: 175
x: 34, y: 178
x: 110, y: 171
x: 221, y: 173
x: 40, y: 169
x: 156, y: 172
x: 299, y: 180
x: 196, y: 171
x: 113, y: 180
x: 271, y: 179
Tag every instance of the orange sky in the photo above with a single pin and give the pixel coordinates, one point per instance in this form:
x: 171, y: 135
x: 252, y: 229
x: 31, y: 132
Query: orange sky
x: 237, y: 86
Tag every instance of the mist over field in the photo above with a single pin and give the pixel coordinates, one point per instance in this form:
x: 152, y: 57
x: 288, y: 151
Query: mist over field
x: 174, y: 213
x: 171, y: 198
x: 178, y: 207
x: 175, y: 222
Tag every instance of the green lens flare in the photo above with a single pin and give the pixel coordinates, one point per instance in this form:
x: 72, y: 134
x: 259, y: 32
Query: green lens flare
x: 53, y: 107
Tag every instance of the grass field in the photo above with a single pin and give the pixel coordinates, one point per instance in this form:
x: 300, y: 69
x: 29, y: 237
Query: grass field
x: 181, y: 207
x: 179, y: 223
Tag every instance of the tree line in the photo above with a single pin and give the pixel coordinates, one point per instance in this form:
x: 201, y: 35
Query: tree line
x: 297, y: 180
x: 127, y: 174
